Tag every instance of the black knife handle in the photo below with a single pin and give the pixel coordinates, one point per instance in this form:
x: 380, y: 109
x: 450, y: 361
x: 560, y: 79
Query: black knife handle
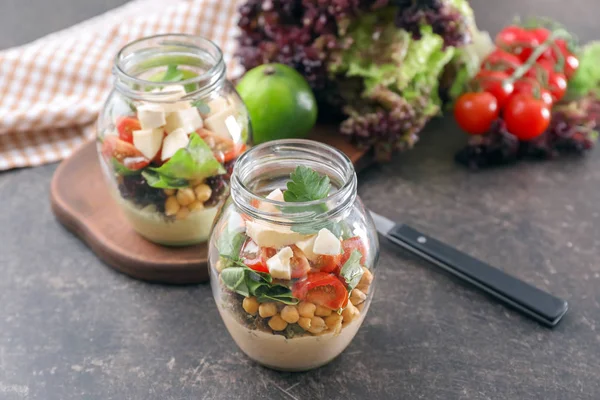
x: 528, y: 299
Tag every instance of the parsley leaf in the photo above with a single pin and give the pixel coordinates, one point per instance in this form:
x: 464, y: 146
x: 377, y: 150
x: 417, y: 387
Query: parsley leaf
x: 352, y: 270
x: 306, y: 185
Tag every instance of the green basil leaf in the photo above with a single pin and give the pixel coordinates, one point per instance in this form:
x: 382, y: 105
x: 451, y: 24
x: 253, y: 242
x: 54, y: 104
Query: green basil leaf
x: 352, y: 270
x: 195, y: 161
x: 172, y: 74
x: 164, y: 182
x: 234, y: 279
x: 201, y: 106
x: 229, y: 244
x: 123, y: 170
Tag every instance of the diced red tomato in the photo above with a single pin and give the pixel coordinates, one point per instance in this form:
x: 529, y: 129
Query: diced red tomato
x: 322, y: 289
x: 299, y: 263
x: 256, y: 257
x: 123, y: 152
x: 354, y: 243
x: 126, y: 126
x: 328, y: 263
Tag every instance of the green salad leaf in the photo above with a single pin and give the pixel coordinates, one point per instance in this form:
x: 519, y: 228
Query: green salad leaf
x: 195, y: 161
x: 121, y: 169
x: 247, y: 282
x: 352, y: 271
x: 158, y: 181
x: 229, y: 245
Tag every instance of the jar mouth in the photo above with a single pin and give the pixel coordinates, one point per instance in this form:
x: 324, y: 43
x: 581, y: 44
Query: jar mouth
x: 139, y: 57
x: 276, y: 160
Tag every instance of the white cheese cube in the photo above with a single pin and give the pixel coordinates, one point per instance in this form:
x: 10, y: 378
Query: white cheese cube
x: 271, y: 235
x: 148, y: 141
x: 216, y: 105
x: 189, y: 120
x: 327, y: 243
x: 176, y: 106
x: 174, y: 141
x: 223, y: 123
x: 151, y: 116
x: 276, y: 195
x: 279, y: 264
x: 307, y: 247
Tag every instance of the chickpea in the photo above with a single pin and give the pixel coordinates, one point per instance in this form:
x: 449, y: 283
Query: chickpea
x: 196, y: 182
x: 333, y: 320
x: 203, y: 192
x: 182, y: 213
x: 196, y: 205
x: 350, y: 313
x: 277, y: 323
x: 267, y: 310
x: 185, y: 196
x: 171, y: 206
x: 169, y: 192
x: 250, y: 305
x: 220, y: 265
x: 306, y: 309
x: 304, y: 322
x: 360, y: 307
x: 317, y: 325
x: 290, y: 314
x: 357, y: 297
x: 322, y: 311
x: 367, y: 277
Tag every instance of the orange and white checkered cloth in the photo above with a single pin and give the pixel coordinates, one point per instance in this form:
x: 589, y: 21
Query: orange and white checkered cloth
x: 52, y: 90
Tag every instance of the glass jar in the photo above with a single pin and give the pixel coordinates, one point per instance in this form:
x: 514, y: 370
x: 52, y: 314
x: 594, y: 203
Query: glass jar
x: 169, y: 134
x: 293, y: 281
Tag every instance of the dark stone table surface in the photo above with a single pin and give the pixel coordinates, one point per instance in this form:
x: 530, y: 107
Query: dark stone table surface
x: 71, y: 328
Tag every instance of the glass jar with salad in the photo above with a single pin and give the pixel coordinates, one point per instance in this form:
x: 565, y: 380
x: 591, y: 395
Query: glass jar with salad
x: 169, y: 134
x: 292, y: 255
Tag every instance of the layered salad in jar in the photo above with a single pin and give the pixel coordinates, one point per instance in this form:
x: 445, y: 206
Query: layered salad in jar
x: 293, y: 298
x: 171, y: 158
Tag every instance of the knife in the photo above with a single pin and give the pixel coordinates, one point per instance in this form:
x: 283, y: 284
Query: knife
x: 509, y: 290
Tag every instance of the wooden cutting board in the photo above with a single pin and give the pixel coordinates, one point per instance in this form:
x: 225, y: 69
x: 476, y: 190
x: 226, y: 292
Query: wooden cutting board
x: 82, y: 203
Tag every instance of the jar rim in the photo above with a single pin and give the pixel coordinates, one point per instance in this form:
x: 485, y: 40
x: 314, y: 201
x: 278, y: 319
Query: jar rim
x: 217, y: 69
x: 245, y: 198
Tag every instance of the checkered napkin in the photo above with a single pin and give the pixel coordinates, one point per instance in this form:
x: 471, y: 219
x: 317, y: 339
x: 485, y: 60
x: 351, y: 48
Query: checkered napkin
x: 52, y: 90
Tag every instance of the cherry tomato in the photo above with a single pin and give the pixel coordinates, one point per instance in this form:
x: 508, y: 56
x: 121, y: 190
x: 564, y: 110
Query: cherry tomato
x: 541, y: 34
x: 256, y: 257
x: 532, y: 87
x: 353, y: 243
x: 494, y: 82
x: 299, y: 263
x: 571, y: 63
x: 124, y: 152
x: 126, y: 126
x: 526, y: 117
x: 475, y: 112
x: 501, y: 60
x: 517, y: 41
x: 557, y: 84
x: 322, y: 289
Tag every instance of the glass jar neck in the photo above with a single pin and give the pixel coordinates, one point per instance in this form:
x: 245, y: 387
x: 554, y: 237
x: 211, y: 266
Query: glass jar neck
x: 267, y: 167
x: 144, y: 65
